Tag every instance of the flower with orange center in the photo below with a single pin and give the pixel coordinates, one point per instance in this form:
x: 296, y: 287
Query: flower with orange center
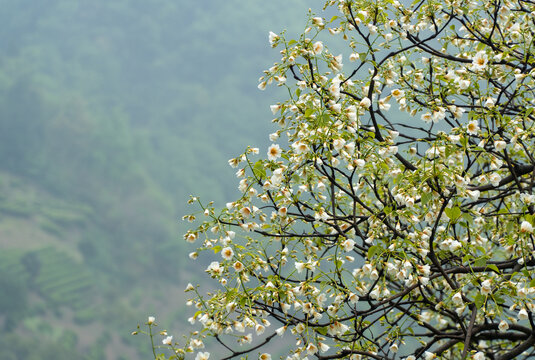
x: 274, y: 152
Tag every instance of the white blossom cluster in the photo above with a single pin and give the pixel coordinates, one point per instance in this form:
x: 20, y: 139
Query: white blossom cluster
x: 396, y: 218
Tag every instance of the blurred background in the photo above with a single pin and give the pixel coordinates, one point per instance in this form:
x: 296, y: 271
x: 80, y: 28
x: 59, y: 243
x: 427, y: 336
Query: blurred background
x: 111, y: 113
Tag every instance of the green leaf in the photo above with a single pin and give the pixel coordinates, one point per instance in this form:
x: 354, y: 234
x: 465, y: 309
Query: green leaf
x: 495, y: 269
x: 453, y: 213
x: 217, y: 249
x: 309, y: 112
x: 321, y: 330
x: 333, y: 18
x: 259, y: 170
x: 482, y: 261
x: 480, y: 300
x: 372, y: 251
x: 532, y: 283
x: 426, y: 197
x: 291, y: 42
x: 469, y: 219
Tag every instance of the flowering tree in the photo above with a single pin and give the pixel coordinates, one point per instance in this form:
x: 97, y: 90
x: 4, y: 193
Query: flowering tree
x: 379, y: 233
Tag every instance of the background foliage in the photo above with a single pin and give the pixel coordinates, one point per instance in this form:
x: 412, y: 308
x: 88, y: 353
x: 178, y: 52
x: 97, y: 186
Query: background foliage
x: 111, y: 112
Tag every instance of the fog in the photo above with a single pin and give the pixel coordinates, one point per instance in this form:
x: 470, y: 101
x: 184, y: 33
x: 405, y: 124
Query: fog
x: 111, y: 114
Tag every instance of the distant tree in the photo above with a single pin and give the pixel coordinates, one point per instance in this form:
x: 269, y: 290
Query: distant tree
x: 379, y: 233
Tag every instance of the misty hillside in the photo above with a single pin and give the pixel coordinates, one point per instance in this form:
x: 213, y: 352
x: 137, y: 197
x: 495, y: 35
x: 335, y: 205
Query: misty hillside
x: 111, y: 114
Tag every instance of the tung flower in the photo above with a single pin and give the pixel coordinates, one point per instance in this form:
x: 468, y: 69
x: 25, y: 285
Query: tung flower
x: 272, y: 38
x: 526, y: 227
x: 238, y: 266
x: 457, y: 299
x: 486, y: 287
x: 472, y: 127
x: 365, y: 103
x: 348, y: 245
x: 522, y: 314
x: 480, y: 61
x: 227, y: 253
x: 299, y: 266
x: 168, y: 340
x: 274, y: 152
x: 275, y: 108
x: 202, y: 356
x: 311, y: 349
x: 317, y: 47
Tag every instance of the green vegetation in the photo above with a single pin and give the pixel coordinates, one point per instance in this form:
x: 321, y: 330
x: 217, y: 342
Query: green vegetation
x: 111, y: 113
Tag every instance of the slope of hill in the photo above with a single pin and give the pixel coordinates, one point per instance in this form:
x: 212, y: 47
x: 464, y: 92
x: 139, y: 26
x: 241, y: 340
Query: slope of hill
x: 111, y: 113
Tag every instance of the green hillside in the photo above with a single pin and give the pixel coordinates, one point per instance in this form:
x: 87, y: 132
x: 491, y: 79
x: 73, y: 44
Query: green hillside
x: 111, y: 114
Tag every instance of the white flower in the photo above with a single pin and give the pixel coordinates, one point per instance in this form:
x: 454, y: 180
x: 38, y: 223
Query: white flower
x: 457, y: 299
x: 348, y: 245
x: 479, y: 356
x: 365, y: 103
x: 168, y: 340
x: 275, y: 108
x: 151, y: 320
x: 189, y: 287
x: 490, y: 102
x: 495, y: 179
x: 394, y: 348
x: 527, y: 198
x: 280, y: 331
x: 323, y: 347
x: 526, y: 227
x: 300, y: 266
x: 202, y: 356
x: 264, y: 356
x: 336, y: 63
x: 472, y: 127
x: 317, y: 47
x: 500, y: 145
x: 480, y: 61
x: 427, y: 117
x: 311, y: 349
x: 334, y: 89
x: 227, y: 253
x: 486, y: 287
x: 522, y: 314
x: 429, y: 355
x: 463, y: 83
x: 214, y: 269
x: 397, y: 93
x: 262, y: 85
x: 260, y: 329
x: 300, y: 147
x: 338, y: 144
x: 273, y: 37
x: 197, y: 344
x: 274, y: 152
x: 317, y: 21
x: 384, y: 105
x: 473, y: 194
x: 337, y: 108
x: 238, y: 266
x: 503, y: 326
